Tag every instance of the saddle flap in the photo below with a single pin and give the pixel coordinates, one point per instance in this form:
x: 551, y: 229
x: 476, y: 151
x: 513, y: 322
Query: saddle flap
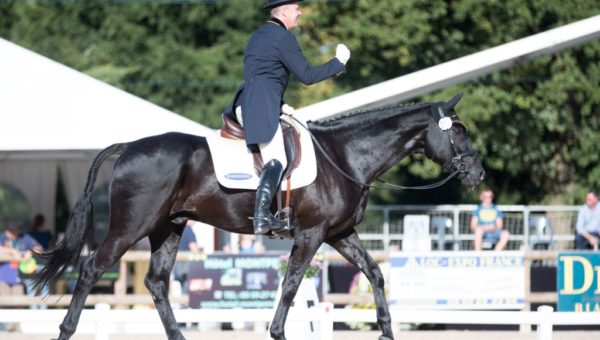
x: 293, y: 148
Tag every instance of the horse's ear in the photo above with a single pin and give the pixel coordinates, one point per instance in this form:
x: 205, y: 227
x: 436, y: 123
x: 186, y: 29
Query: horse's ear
x: 449, y: 105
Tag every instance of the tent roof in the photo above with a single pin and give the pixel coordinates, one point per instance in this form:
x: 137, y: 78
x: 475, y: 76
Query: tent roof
x: 47, y: 106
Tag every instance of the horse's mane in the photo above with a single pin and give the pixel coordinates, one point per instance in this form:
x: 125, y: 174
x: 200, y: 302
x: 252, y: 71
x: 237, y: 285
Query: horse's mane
x: 383, y: 112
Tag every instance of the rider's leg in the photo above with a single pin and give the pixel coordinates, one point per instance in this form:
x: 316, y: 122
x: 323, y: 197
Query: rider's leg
x: 273, y: 154
x: 275, y: 149
x: 478, y: 238
x: 238, y: 115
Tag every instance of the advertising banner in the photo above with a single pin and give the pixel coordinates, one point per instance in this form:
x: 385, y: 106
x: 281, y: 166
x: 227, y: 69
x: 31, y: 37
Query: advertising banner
x: 457, y: 280
x: 578, y: 282
x: 234, y: 281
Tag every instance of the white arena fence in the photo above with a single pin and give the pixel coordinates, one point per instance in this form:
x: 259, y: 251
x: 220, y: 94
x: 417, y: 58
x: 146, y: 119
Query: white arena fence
x: 102, y: 321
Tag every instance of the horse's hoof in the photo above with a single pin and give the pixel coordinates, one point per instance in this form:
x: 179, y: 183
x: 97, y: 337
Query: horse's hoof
x: 385, y: 337
x: 276, y: 337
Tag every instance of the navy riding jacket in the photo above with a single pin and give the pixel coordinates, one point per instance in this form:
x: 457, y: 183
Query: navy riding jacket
x: 271, y: 55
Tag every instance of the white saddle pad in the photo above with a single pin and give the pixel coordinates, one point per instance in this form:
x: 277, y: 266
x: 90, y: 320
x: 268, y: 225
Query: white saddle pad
x: 234, y: 165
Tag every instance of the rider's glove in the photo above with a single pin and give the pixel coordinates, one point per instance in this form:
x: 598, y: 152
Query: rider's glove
x: 287, y: 110
x: 342, y: 53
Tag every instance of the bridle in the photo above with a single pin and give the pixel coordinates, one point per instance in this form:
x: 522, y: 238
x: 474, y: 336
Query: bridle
x: 455, y: 166
x: 457, y: 162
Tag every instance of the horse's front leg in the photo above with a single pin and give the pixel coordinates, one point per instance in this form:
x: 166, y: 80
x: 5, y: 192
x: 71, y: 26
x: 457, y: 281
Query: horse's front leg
x: 306, y: 244
x: 353, y: 250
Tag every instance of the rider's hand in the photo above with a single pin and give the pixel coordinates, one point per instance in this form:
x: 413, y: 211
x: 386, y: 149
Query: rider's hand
x: 287, y: 110
x: 342, y: 53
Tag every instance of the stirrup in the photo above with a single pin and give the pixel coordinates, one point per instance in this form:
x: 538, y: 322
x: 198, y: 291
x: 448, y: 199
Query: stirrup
x: 287, y: 232
x: 267, y: 224
x: 284, y: 215
x: 272, y: 230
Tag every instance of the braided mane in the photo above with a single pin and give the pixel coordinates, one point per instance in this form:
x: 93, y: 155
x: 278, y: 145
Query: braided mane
x: 383, y: 111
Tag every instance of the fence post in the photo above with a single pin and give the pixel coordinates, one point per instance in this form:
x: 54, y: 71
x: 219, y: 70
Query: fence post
x: 326, y: 322
x: 544, y: 327
x: 386, y: 229
x: 102, y: 328
x: 526, y: 328
x: 526, y: 236
x: 456, y: 228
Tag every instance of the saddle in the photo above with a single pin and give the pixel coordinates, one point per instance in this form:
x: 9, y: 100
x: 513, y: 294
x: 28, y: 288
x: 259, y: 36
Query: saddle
x: 231, y: 129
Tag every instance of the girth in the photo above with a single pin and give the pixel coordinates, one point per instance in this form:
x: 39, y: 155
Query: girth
x: 231, y: 129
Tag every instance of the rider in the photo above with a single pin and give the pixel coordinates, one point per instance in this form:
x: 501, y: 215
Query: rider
x: 270, y: 56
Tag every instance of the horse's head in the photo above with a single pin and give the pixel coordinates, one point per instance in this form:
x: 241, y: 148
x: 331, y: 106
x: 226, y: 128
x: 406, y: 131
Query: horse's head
x: 448, y: 144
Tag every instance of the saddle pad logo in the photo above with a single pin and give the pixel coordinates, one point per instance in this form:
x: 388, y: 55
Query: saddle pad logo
x: 238, y: 176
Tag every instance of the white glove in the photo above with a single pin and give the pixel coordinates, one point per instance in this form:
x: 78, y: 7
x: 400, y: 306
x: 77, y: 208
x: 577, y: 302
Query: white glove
x: 287, y: 110
x: 342, y: 53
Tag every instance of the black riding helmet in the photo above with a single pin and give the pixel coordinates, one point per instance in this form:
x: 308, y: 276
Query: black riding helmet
x: 274, y: 3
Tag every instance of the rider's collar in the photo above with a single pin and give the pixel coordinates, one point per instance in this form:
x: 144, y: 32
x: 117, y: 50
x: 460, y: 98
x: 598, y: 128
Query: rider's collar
x: 444, y: 122
x: 277, y: 22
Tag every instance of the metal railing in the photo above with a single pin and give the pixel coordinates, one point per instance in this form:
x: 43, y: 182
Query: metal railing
x: 550, y: 226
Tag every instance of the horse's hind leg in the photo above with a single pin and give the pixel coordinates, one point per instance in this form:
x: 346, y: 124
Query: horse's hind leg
x: 164, y: 242
x: 353, y: 250
x: 90, y: 272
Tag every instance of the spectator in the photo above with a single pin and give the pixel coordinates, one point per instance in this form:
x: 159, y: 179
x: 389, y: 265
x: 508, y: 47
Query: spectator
x: 588, y: 223
x: 188, y: 239
x: 39, y: 232
x: 187, y: 243
x: 487, y: 223
x: 249, y: 244
x: 19, y: 246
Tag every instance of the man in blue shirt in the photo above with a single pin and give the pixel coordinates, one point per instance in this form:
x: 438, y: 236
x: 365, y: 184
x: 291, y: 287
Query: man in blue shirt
x: 20, y: 246
x: 270, y: 56
x: 187, y: 243
x: 588, y: 223
x: 487, y: 223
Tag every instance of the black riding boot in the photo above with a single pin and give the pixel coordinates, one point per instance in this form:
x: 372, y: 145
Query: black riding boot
x: 264, y: 221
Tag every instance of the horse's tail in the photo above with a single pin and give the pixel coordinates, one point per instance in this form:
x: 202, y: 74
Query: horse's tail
x: 58, y: 259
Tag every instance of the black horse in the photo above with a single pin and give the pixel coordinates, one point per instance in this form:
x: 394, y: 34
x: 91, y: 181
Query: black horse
x: 160, y: 182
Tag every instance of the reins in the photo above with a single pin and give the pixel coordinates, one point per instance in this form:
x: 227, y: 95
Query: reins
x: 456, y: 162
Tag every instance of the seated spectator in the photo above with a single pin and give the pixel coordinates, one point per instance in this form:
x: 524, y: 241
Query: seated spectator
x: 249, y: 244
x: 588, y: 223
x: 40, y: 233
x: 19, y: 246
x: 187, y: 243
x: 487, y: 223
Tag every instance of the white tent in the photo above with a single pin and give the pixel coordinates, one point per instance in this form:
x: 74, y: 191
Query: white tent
x: 53, y: 117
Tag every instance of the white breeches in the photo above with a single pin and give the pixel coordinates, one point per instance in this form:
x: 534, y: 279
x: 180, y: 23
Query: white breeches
x: 275, y: 149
